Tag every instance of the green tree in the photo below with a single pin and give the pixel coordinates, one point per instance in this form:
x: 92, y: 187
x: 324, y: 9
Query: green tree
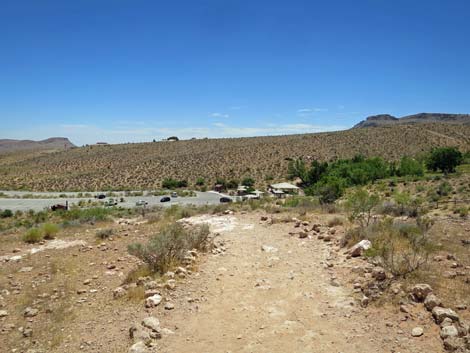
x: 410, y: 166
x: 360, y: 205
x: 445, y: 159
x: 250, y: 182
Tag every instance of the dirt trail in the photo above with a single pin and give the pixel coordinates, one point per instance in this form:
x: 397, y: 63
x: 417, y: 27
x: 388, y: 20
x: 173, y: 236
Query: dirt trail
x: 280, y: 300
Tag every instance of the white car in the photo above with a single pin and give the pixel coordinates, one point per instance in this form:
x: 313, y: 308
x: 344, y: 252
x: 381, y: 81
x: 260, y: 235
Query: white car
x: 141, y: 203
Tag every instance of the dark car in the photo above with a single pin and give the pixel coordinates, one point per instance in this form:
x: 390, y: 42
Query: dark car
x: 59, y: 207
x: 165, y: 199
x: 100, y: 196
x: 225, y: 200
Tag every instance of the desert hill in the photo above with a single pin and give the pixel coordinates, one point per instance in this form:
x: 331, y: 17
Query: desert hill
x: 53, y: 143
x: 386, y: 119
x: 145, y: 165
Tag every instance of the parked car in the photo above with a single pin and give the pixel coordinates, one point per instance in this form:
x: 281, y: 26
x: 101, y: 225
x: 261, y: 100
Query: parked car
x: 174, y: 194
x: 141, y: 203
x: 165, y: 199
x: 225, y: 200
x: 59, y: 207
x: 100, y: 196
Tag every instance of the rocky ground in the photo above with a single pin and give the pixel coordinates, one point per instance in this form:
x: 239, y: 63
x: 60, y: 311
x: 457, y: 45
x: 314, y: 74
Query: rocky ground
x: 271, y: 284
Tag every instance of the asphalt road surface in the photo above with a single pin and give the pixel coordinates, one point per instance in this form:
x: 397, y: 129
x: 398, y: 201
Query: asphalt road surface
x: 37, y: 204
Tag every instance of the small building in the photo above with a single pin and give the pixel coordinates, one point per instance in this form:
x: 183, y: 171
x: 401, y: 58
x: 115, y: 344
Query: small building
x: 286, y: 188
x: 219, y: 187
x: 242, y: 190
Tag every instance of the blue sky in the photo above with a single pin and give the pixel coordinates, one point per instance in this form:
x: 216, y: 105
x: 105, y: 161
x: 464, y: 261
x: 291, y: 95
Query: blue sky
x: 122, y: 71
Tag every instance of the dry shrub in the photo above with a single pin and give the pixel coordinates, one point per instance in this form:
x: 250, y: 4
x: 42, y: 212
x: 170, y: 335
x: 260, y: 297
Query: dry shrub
x: 336, y: 221
x: 400, y: 248
x: 168, y: 248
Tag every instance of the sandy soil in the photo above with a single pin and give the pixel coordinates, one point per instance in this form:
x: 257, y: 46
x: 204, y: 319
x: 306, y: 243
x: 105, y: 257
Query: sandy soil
x: 267, y: 292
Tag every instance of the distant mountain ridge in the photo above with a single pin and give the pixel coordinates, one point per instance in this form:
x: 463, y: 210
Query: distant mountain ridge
x: 386, y: 119
x: 53, y: 143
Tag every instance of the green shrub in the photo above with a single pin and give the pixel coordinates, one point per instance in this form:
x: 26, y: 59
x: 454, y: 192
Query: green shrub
x: 168, y: 248
x: 410, y: 166
x: 444, y: 189
x: 445, y: 159
x: 33, y: 235
x: 200, y: 182
x: 174, y: 184
x: 49, y: 230
x: 360, y: 205
x: 6, y: 214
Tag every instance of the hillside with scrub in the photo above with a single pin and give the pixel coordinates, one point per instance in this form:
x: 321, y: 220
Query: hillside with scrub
x: 146, y: 165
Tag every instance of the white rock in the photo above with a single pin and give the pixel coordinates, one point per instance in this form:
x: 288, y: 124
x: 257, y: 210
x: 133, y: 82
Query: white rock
x: 138, y: 347
x: 268, y: 248
x: 153, y: 301
x: 417, y: 331
x: 3, y: 313
x: 440, y: 314
x: 151, y: 323
x: 421, y: 291
x: 360, y: 247
x: 449, y: 331
x: 30, y: 312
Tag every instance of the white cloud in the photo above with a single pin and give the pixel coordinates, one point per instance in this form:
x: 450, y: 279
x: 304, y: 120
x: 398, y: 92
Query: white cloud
x: 219, y: 115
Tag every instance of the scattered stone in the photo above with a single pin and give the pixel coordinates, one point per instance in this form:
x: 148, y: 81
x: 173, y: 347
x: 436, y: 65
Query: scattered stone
x: 138, y: 347
x: 30, y: 312
x: 440, y: 314
x: 169, y: 306
x: 27, y: 332
x: 3, y: 313
x: 153, y: 301
x: 421, y: 291
x: 87, y: 281
x: 452, y: 344
x: 431, y: 302
x: 151, y: 323
x: 267, y: 248
x: 359, y: 248
x: 379, y: 274
x: 303, y: 235
x: 417, y: 332
x: 25, y: 269
x: 119, y: 292
x: 170, y: 284
x: 449, y: 331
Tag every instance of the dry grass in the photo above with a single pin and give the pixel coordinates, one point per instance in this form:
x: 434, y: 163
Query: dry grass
x: 145, y: 165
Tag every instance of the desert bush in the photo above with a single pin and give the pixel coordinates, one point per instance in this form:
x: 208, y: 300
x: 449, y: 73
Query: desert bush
x: 400, y: 248
x: 104, y: 233
x: 6, y: 214
x: 33, y: 235
x: 169, y: 247
x: 444, y: 189
x: 200, y: 181
x: 462, y: 211
x: 49, y: 230
x: 335, y: 221
x: 360, y: 205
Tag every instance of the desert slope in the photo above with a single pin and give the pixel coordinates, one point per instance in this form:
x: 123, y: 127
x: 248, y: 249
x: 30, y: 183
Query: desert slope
x: 145, y: 165
x: 53, y: 143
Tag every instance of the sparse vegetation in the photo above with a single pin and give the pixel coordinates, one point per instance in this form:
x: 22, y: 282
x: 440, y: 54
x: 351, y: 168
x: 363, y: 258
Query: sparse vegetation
x: 33, y: 235
x: 168, y: 248
x: 49, y: 230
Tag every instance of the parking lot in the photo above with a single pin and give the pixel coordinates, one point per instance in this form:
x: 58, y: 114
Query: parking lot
x: 15, y: 202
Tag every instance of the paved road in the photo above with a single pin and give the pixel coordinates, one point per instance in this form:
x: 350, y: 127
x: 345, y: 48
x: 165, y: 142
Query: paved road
x: 38, y: 204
